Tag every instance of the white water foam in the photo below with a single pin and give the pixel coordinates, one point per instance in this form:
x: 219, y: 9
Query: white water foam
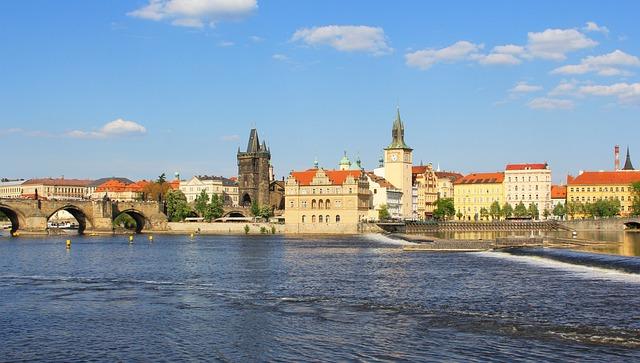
x: 380, y: 238
x: 580, y: 271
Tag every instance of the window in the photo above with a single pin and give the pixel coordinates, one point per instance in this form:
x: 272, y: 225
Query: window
x: 291, y: 204
x: 337, y: 219
x: 320, y: 218
x: 320, y: 204
x: 303, y: 218
x: 327, y: 219
x: 327, y: 204
x: 304, y: 204
x: 313, y: 218
x: 313, y: 204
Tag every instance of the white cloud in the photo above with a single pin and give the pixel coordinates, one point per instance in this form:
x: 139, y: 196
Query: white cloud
x: 114, y: 128
x: 256, y: 39
x: 604, y: 65
x: 280, y: 57
x: 194, y: 13
x: 499, y: 58
x: 564, y: 88
x: 462, y: 50
x: 593, y: 27
x: 554, y: 44
x: 524, y: 87
x: 346, y: 38
x: 627, y: 93
x: 544, y: 103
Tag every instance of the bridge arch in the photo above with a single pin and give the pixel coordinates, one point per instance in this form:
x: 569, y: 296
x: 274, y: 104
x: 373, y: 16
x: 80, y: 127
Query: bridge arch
x: 15, y: 217
x: 83, y: 220
x: 142, y: 221
x: 632, y: 225
x: 235, y: 213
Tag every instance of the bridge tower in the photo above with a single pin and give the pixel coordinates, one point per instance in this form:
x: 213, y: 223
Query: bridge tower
x: 253, y: 172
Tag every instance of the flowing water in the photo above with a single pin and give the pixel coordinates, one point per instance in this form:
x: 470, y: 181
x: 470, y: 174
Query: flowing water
x: 274, y: 298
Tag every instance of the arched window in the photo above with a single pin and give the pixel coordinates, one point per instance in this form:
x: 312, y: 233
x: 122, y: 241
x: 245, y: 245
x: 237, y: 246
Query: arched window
x: 320, y: 218
x: 327, y: 204
x: 337, y: 219
x: 313, y: 218
x: 313, y: 204
x: 303, y: 218
x: 320, y: 204
x: 327, y: 219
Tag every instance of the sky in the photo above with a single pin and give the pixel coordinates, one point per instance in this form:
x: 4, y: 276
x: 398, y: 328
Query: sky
x: 136, y: 88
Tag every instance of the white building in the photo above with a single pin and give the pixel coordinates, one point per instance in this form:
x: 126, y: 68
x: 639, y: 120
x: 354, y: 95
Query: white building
x: 226, y: 188
x: 11, y: 189
x: 528, y: 183
x: 383, y: 193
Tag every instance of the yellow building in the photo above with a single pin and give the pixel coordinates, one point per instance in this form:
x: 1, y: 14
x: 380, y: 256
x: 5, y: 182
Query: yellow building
x: 476, y: 191
x: 398, y: 160
x: 426, y: 182
x: 591, y: 186
x: 59, y: 188
x: 326, y: 201
x: 446, y: 180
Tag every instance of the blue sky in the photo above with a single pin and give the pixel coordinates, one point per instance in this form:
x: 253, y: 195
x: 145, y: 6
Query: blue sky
x: 137, y: 88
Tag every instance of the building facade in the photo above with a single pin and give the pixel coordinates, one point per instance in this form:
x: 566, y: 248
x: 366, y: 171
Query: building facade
x: 558, y: 195
x: 398, y: 161
x: 591, y: 186
x: 326, y: 201
x: 11, y: 189
x: 477, y: 191
x: 446, y: 182
x: 384, y: 193
x: 225, y: 188
x: 426, y: 181
x: 529, y: 184
x: 254, y: 172
x: 59, y: 188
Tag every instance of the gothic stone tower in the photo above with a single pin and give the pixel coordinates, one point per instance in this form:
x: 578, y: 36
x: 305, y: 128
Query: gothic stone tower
x: 397, y: 165
x: 253, y: 172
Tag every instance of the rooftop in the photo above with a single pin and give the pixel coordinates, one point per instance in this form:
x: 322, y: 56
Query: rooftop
x: 336, y: 177
x: 59, y: 182
x: 606, y: 177
x: 527, y: 166
x: 558, y: 192
x: 380, y: 180
x: 482, y: 178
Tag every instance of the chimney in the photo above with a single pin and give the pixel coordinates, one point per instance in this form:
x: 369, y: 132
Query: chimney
x: 616, y: 153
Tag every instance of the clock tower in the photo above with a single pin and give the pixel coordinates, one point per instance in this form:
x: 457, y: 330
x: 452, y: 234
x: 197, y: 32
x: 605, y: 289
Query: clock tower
x: 398, y: 162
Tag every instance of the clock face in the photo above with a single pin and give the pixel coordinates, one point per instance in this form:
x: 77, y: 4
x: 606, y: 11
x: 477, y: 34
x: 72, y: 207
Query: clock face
x: 394, y: 157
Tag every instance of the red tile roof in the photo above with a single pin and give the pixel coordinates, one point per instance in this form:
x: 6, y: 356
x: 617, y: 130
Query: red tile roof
x: 112, y: 185
x: 481, y: 178
x: 606, y: 177
x: 558, y: 192
x: 337, y: 177
x: 138, y: 186
x: 418, y: 169
x: 449, y: 175
x: 174, y: 184
x: 59, y: 182
x: 380, y: 180
x: 526, y: 166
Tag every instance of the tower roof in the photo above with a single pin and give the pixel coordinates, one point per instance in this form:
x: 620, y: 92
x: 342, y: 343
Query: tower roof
x: 397, y: 134
x: 627, y: 162
x: 345, y: 160
x: 254, y: 146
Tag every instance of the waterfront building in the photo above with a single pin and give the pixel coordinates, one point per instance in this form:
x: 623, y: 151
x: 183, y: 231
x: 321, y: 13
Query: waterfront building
x: 326, y: 201
x: 398, y: 160
x: 528, y: 183
x: 558, y: 195
x: 446, y: 180
x: 425, y: 181
x: 384, y: 193
x: 121, y: 191
x: 476, y: 191
x: 58, y: 188
x: 11, y: 189
x: 591, y: 186
x: 254, y: 175
x: 223, y: 187
x: 91, y: 188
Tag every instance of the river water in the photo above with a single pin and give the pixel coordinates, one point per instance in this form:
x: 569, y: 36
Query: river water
x: 275, y: 298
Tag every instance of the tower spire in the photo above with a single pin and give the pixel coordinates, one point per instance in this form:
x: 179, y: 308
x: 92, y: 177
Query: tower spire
x: 627, y: 162
x: 397, y: 133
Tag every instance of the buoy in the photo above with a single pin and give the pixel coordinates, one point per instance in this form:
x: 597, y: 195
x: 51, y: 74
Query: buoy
x: 150, y: 238
x: 68, y: 244
x: 131, y: 239
x: 191, y: 236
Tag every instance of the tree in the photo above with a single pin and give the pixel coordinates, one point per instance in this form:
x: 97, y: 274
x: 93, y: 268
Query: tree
x: 484, y: 213
x: 125, y: 221
x: 459, y: 215
x: 546, y: 213
x: 520, y: 210
x: 201, y: 203
x: 559, y: 211
x: 383, y: 212
x: 605, y: 208
x: 635, y: 193
x: 214, y: 209
x: 445, y: 209
x: 494, y: 210
x: 177, y: 207
x: 162, y: 179
x: 533, y: 211
x: 255, y: 209
x: 507, y: 210
x: 156, y: 190
x: 571, y: 209
x: 259, y: 211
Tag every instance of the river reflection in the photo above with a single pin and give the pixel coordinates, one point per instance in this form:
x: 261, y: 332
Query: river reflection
x: 621, y: 243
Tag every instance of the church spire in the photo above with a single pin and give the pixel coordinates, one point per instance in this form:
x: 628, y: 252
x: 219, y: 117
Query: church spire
x: 397, y: 133
x: 627, y: 163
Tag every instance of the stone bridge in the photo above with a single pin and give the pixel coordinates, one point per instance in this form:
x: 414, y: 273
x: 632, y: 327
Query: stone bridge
x: 605, y: 224
x: 93, y: 216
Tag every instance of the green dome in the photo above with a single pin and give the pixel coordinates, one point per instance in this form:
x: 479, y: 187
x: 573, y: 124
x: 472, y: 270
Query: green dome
x: 345, y: 160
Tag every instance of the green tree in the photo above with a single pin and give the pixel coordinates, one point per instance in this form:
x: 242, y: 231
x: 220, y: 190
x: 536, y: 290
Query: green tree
x: 605, y: 208
x: 383, y: 212
x: 266, y: 212
x: 635, y: 194
x: 484, y: 213
x: 494, y: 210
x: 201, y: 203
x: 215, y: 209
x: 507, y: 210
x: 177, y: 207
x: 533, y: 211
x: 459, y: 215
x: 520, y: 210
x: 255, y: 209
x: 125, y: 221
x: 445, y: 209
x: 559, y: 211
x: 161, y: 179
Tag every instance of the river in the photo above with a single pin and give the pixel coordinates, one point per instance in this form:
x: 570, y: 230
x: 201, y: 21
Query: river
x: 275, y: 298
